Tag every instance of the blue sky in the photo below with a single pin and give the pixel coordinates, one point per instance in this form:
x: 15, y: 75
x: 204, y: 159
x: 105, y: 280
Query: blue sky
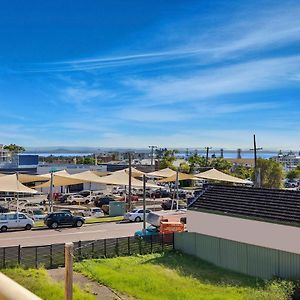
x: 136, y: 73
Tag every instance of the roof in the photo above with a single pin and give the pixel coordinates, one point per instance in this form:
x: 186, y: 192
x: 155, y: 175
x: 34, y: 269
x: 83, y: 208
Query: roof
x: 167, y: 172
x: 278, y: 206
x: 216, y: 175
x: 10, y: 183
x: 181, y: 176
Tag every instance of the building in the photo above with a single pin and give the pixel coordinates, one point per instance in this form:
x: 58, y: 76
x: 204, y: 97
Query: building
x: 4, y: 154
x: 248, y: 230
x: 290, y: 160
x: 11, y: 163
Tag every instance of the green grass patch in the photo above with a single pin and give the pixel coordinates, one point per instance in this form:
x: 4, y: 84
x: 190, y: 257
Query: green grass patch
x: 175, y: 276
x: 39, y: 224
x: 104, y: 219
x: 39, y: 283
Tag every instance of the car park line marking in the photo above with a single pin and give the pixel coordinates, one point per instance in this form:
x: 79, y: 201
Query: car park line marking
x: 51, y: 235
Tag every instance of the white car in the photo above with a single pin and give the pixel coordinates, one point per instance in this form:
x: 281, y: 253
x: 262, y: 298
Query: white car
x: 31, y: 206
x: 36, y: 214
x: 93, y: 212
x: 136, y: 215
x: 15, y: 220
x: 77, y: 199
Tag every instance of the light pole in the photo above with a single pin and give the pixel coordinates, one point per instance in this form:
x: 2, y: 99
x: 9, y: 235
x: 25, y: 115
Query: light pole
x: 207, y: 150
x: 152, y: 154
x: 256, y: 171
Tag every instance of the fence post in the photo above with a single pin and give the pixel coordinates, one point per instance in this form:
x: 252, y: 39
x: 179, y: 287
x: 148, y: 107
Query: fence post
x: 4, y: 260
x: 173, y: 240
x: 162, y: 243
x: 128, y: 242
x: 140, y: 246
x: 36, y: 257
x: 79, y: 250
x: 104, y: 247
x: 69, y: 271
x: 19, y: 254
x: 93, y: 249
x: 151, y: 243
x: 51, y: 256
x: 117, y: 247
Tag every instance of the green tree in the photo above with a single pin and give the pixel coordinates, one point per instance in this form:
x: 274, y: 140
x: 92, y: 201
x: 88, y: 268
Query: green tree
x: 14, y: 148
x: 168, y: 158
x: 242, y: 172
x: 293, y: 174
x: 184, y: 167
x: 271, y: 173
x: 220, y: 164
x: 196, y: 161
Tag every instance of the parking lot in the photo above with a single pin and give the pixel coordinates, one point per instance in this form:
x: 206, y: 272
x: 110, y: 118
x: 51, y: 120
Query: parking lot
x: 37, y: 237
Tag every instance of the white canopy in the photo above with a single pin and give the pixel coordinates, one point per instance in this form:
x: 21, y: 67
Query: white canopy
x: 167, y: 172
x: 24, y: 178
x: 122, y: 178
x: 181, y: 176
x: 10, y: 183
x: 62, y: 178
x: 214, y: 174
x: 134, y: 172
x: 87, y: 176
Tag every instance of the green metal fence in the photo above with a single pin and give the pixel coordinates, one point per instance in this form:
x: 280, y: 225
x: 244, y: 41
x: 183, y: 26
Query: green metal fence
x: 241, y: 257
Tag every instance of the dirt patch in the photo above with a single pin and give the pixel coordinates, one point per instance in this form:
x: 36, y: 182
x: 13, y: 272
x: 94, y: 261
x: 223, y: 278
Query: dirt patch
x: 99, y: 291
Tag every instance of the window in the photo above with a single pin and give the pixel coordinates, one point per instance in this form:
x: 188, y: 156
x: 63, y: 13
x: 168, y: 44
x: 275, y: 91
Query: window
x: 2, y: 217
x: 12, y: 217
x: 22, y: 217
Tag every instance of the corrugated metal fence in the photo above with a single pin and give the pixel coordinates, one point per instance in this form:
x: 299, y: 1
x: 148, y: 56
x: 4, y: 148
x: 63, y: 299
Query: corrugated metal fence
x: 241, y: 257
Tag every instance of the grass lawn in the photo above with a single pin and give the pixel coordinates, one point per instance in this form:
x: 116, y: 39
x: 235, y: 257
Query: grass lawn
x: 39, y: 224
x: 38, y: 282
x: 175, y: 276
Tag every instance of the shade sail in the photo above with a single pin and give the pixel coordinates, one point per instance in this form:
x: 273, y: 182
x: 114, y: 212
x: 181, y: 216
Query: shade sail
x: 88, y: 176
x: 61, y: 173
x: 122, y: 178
x: 167, y: 172
x: 214, y: 174
x: 134, y: 172
x: 10, y: 183
x: 181, y: 176
x: 61, y: 180
x: 24, y: 178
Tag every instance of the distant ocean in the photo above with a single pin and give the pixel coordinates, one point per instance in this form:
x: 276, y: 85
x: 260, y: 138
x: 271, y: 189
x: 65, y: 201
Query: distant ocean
x: 229, y: 154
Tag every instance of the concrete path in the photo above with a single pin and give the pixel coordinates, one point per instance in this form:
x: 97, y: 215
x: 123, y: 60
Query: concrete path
x: 99, y: 291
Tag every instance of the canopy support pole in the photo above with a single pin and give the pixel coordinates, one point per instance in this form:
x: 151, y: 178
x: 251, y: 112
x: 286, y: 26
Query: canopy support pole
x: 51, y: 194
x: 144, y: 203
x: 17, y: 174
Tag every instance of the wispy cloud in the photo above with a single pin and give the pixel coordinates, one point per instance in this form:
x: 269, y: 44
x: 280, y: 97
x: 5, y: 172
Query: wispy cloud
x: 233, y: 79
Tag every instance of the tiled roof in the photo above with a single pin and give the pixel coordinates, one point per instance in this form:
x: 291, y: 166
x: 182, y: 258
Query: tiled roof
x: 271, y: 205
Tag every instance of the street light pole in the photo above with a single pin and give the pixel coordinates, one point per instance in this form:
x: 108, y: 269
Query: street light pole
x: 129, y: 182
x: 152, y: 154
x: 256, y: 170
x: 207, y: 150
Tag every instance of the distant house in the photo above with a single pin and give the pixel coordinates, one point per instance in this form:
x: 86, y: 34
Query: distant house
x: 261, y: 217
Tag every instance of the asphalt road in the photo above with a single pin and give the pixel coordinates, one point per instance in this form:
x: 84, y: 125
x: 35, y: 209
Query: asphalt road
x: 63, y: 235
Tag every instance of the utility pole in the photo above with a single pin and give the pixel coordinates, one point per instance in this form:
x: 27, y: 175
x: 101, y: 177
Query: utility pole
x: 257, y: 172
x: 152, y: 154
x: 129, y: 183
x: 51, y: 193
x: 207, y: 150
x: 144, y: 203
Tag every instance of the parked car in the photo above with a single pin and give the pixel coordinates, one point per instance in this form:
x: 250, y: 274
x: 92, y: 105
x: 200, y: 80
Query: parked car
x: 104, y: 200
x: 15, y: 220
x: 166, y: 205
x: 150, y: 231
x: 56, y: 219
x: 93, y: 212
x: 36, y: 214
x: 3, y: 209
x: 31, y: 206
x: 77, y: 199
x: 133, y: 198
x: 136, y: 215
